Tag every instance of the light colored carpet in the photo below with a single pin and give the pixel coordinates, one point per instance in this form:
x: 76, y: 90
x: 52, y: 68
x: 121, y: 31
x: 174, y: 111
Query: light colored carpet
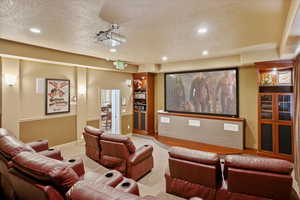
x: 151, y: 184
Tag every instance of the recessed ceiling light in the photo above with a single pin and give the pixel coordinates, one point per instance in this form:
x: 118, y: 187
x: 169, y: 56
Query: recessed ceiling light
x: 164, y: 58
x: 202, y: 30
x: 35, y: 30
x: 113, y: 50
x: 205, y: 52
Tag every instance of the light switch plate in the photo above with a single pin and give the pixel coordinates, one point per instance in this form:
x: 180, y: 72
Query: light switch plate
x: 231, y: 127
x: 165, y: 120
x: 194, y: 123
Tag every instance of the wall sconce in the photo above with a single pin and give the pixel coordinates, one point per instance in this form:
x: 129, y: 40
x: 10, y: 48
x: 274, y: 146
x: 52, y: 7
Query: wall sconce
x: 10, y: 80
x: 274, y: 71
x: 81, y: 90
x: 128, y: 82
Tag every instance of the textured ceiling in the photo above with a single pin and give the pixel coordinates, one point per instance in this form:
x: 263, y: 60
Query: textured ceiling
x: 154, y: 28
x: 295, y: 31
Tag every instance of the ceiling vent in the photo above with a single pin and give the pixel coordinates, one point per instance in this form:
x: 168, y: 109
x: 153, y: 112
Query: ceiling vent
x: 110, y: 37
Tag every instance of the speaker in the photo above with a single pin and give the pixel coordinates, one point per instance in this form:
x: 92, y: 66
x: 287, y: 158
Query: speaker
x: 40, y: 86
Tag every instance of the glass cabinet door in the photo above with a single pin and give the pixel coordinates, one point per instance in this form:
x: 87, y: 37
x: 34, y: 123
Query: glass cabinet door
x: 285, y: 139
x: 136, y: 120
x: 285, y: 107
x: 266, y: 106
x: 267, y: 137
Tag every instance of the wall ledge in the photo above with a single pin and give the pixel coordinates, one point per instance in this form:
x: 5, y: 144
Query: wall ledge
x: 46, y: 117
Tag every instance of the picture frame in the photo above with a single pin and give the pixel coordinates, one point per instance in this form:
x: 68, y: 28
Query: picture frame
x: 285, y: 77
x: 57, y: 97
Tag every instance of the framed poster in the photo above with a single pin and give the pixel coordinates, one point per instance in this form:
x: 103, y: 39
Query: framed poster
x: 57, y: 96
x: 285, y: 77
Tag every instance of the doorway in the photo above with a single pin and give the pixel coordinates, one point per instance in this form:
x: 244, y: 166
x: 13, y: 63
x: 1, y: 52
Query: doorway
x: 110, y: 111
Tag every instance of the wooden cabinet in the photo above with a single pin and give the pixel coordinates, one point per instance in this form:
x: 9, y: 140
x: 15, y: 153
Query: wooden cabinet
x: 275, y: 110
x: 143, y: 103
x: 276, y: 125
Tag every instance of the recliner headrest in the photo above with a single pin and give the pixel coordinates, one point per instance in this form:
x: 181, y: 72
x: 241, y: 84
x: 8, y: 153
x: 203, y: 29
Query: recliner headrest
x: 194, y: 155
x: 5, y: 132
x: 11, y: 146
x: 92, y: 130
x: 258, y: 163
x: 46, y: 169
x: 121, y: 139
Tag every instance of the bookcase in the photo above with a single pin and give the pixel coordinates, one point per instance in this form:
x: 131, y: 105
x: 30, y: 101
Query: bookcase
x: 143, y: 103
x: 275, y: 108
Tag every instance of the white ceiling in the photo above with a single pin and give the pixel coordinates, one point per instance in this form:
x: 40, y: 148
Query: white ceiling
x: 154, y: 28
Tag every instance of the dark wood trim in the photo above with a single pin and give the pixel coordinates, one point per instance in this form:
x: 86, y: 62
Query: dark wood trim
x: 204, y: 116
x: 286, y: 64
x: 279, y: 89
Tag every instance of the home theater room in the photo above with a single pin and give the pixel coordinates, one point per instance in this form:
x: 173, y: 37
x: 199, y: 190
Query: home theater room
x: 149, y: 100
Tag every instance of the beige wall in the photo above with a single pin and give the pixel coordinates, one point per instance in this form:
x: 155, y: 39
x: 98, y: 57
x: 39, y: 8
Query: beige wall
x: 94, y: 123
x: 60, y: 128
x: 81, y: 101
x: 33, y: 104
x: 127, y: 124
x: 10, y: 95
x: 248, y: 104
x: 98, y: 80
x: 159, y: 96
x: 248, y: 101
x: 57, y: 130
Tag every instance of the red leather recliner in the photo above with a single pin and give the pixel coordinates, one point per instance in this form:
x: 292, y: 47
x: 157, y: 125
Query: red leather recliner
x: 10, y: 146
x: 35, y: 176
x: 119, y: 153
x: 256, y: 178
x: 92, y: 142
x: 193, y: 173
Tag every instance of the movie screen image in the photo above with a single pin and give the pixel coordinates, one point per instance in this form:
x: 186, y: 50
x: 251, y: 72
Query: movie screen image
x: 204, y: 92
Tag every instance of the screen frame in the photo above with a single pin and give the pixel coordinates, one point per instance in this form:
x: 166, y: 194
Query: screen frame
x: 205, y: 70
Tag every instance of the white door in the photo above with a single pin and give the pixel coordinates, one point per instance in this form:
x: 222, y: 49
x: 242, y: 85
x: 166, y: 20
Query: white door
x: 116, y: 112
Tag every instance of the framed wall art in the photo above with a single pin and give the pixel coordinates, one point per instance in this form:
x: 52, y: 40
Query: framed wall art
x: 285, y: 77
x: 57, y: 96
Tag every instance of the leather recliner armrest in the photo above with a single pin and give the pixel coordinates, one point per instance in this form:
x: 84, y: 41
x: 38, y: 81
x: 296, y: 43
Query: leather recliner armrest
x: 77, y: 166
x: 40, y: 145
x: 141, y: 154
x: 52, y: 153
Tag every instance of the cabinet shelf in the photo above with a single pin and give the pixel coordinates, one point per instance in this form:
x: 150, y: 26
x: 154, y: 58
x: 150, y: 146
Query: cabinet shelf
x: 143, y: 103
